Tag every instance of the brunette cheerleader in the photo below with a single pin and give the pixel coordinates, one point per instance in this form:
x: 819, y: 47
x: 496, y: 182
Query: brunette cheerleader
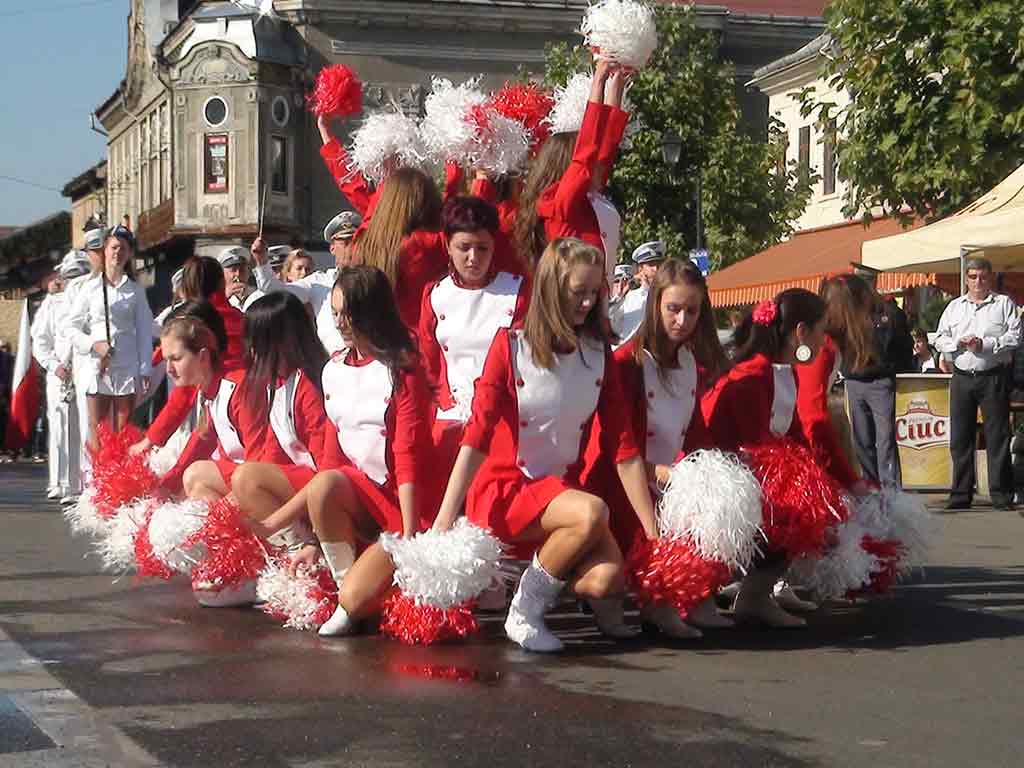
x: 756, y: 402
x: 377, y: 441
x: 562, y: 193
x: 111, y: 326
x: 664, y: 370
x: 532, y: 412
x: 460, y: 316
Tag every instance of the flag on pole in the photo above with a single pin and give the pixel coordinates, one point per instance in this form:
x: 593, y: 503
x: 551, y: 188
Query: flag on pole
x: 25, y: 394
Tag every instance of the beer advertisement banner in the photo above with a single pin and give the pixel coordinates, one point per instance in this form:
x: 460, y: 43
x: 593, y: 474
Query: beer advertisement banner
x: 922, y: 431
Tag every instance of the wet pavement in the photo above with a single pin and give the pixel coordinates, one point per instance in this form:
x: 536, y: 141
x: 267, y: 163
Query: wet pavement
x: 135, y: 673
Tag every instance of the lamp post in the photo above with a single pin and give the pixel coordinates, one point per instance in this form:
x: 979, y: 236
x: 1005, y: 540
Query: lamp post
x: 671, y: 152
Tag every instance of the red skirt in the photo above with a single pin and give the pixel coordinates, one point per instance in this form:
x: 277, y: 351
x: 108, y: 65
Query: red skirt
x: 602, y: 480
x: 379, y: 502
x: 227, y: 468
x: 297, y: 475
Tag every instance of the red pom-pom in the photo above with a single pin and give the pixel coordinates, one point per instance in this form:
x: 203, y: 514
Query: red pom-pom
x: 234, y: 554
x: 117, y: 477
x: 801, y: 500
x: 527, y: 103
x: 423, y: 624
x: 146, y: 561
x: 337, y: 92
x: 889, y: 553
x: 670, y: 571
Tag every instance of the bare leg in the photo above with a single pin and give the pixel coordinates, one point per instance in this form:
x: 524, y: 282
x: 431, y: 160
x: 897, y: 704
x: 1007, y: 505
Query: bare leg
x: 366, y: 581
x: 202, y: 480
x: 99, y: 409
x: 572, y: 525
x: 260, y: 489
x: 600, y: 573
x: 122, y: 407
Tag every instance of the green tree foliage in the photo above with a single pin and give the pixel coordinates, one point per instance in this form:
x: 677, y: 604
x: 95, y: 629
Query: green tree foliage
x: 748, y: 204
x: 938, y: 92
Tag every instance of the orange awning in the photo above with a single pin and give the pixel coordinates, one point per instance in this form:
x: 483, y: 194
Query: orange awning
x: 804, y: 261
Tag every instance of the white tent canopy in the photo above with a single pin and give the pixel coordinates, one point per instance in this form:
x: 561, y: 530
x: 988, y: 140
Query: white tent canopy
x: 993, y: 226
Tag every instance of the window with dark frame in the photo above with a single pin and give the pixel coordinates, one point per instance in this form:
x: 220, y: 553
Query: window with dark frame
x: 279, y: 165
x: 828, y: 170
x: 804, y: 156
x: 216, y: 165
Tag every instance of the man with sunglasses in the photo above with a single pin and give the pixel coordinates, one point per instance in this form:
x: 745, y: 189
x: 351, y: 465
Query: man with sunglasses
x: 980, y: 330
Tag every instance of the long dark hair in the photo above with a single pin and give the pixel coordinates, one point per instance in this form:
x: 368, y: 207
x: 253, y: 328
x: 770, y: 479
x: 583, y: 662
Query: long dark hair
x: 279, y: 338
x: 546, y: 169
x: 373, y: 314
x: 203, y: 276
x: 177, y: 323
x: 793, y: 306
x: 851, y: 306
x: 707, y: 349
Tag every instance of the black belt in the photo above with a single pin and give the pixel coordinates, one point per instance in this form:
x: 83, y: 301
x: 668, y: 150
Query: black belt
x: 999, y: 369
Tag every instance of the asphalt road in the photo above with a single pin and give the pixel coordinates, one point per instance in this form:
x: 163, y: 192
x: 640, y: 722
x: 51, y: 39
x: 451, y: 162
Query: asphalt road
x: 95, y: 673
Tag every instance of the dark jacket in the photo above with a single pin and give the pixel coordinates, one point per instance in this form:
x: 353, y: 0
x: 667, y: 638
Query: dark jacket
x: 894, y: 347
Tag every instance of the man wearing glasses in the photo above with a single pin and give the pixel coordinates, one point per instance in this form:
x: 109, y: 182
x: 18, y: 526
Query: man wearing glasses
x: 979, y: 331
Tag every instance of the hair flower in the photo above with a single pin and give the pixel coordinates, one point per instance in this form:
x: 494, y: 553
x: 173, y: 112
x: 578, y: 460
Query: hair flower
x: 765, y: 312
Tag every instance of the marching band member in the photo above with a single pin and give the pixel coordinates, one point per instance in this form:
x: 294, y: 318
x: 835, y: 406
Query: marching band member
x: 755, y: 402
x: 376, y: 443
x: 532, y: 411
x: 461, y: 314
x: 627, y: 311
x: 664, y: 370
x: 562, y: 193
x: 112, y: 323
x: 315, y: 289
x: 234, y: 260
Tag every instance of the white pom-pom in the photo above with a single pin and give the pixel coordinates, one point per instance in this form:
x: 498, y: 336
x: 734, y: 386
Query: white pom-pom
x: 446, y: 569
x: 570, y: 104
x: 844, y: 568
x: 899, y: 516
x: 623, y: 31
x: 83, y: 517
x: 501, y: 145
x: 298, y: 599
x: 714, y: 500
x: 446, y: 131
x: 115, y: 543
x: 385, y: 141
x: 171, y: 524
x: 162, y: 458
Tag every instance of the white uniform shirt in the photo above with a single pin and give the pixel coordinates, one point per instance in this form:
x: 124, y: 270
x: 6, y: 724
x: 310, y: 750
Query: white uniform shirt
x: 49, y: 348
x: 314, y: 289
x: 627, y: 315
x: 993, y: 320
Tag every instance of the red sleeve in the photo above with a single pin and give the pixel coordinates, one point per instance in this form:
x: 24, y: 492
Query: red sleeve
x: 429, y: 349
x: 491, y: 395
x: 506, y: 257
x: 738, y: 411
x: 310, y: 417
x: 411, y: 434
x: 349, y: 180
x: 631, y: 386
x: 175, y: 411
x: 157, y: 357
x: 614, y: 128
x: 815, y: 417
x: 575, y: 182
x: 485, y: 189
x: 424, y: 259
x: 452, y: 180
x: 617, y: 438
x: 200, y: 445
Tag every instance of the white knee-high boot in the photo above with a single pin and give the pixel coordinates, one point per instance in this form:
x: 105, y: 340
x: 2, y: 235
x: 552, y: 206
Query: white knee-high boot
x: 339, y: 556
x: 537, y: 592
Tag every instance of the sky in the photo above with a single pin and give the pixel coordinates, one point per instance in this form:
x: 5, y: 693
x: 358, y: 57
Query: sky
x: 59, y: 60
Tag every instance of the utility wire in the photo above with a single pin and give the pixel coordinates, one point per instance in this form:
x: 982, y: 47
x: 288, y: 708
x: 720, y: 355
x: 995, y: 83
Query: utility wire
x: 27, y: 183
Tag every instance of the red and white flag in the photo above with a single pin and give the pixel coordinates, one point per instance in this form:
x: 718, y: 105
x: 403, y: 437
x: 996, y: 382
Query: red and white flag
x: 25, y: 394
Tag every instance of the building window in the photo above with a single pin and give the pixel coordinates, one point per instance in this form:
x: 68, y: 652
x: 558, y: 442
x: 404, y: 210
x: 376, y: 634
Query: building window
x: 804, y: 157
x: 215, y: 111
x: 280, y: 111
x: 828, y: 165
x: 783, y: 163
x: 279, y: 165
x: 216, y: 162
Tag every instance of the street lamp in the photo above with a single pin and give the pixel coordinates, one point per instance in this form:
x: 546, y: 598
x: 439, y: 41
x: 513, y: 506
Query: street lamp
x: 671, y: 151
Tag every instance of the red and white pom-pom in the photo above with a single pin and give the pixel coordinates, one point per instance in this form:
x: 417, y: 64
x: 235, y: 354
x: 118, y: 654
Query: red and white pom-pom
x: 303, y: 601
x: 672, y: 571
x: 385, y: 141
x: 528, y: 104
x: 336, y: 93
x: 801, y: 500
x: 83, y: 517
x: 147, y: 564
x: 713, y: 501
x: 162, y: 458
x: 170, y: 526
x: 439, y: 574
x: 446, y: 131
x: 115, y: 542
x: 119, y: 478
x: 897, y: 516
x: 623, y: 31
x: 233, y: 552
x: 566, y: 115
x: 844, y: 568
x: 500, y: 145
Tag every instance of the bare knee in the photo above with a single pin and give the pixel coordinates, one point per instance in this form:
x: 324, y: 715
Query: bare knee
x: 318, y: 493
x: 191, y: 479
x: 245, y: 480
x: 592, y: 518
x: 602, y: 580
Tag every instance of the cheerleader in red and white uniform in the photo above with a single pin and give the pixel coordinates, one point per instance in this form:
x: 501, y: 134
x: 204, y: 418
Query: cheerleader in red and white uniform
x: 460, y: 315
x: 532, y: 412
x: 755, y: 403
x: 561, y: 196
x: 377, y: 441
x: 353, y: 185
x: 664, y: 371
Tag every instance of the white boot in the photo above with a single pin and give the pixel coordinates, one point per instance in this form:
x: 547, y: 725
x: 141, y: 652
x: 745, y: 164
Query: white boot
x: 754, y: 603
x: 666, y: 619
x: 789, y: 600
x: 293, y: 536
x: 608, y: 617
x: 706, y: 616
x: 537, y: 592
x: 339, y: 556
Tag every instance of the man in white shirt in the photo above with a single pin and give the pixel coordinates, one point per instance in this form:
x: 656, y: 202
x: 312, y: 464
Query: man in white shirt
x: 315, y: 289
x: 979, y: 331
x: 234, y: 260
x: 627, y: 312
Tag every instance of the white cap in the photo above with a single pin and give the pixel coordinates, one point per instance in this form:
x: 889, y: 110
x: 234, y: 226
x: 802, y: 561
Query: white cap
x: 624, y: 270
x: 233, y: 256
x: 276, y: 254
x: 648, y: 252
x: 73, y: 264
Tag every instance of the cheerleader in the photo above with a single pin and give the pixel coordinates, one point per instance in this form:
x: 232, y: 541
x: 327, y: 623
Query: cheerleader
x: 664, y: 370
x: 756, y: 402
x: 562, y: 193
x: 532, y: 412
x: 376, y: 442
x: 460, y: 315
x: 350, y: 180
x: 111, y: 323
x: 404, y: 240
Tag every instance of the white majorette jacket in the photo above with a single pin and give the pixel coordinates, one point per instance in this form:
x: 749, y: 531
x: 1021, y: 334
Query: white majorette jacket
x: 457, y: 326
x: 229, y: 442
x: 670, y: 407
x: 283, y: 407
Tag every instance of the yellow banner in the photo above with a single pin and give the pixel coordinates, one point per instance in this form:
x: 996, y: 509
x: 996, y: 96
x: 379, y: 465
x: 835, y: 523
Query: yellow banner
x: 922, y: 430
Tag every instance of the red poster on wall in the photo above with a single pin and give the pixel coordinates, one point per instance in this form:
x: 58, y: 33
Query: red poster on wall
x: 216, y: 162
